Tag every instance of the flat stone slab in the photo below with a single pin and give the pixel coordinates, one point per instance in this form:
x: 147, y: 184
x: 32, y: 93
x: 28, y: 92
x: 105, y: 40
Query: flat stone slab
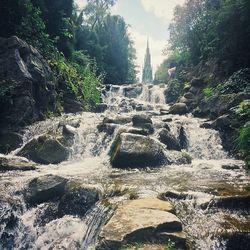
x: 151, y: 203
x: 140, y: 221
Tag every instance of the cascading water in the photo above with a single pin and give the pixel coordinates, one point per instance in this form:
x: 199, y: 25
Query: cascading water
x: 201, y: 181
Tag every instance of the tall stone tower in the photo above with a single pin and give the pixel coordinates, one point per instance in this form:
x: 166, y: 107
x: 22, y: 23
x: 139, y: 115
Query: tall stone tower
x: 147, y: 74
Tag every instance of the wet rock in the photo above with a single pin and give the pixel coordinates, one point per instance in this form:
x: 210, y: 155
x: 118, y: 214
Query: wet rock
x: 183, y: 140
x: 179, y: 158
x: 47, y: 213
x: 100, y: 108
x: 236, y: 240
x: 189, y: 95
x: 132, y: 92
x: 13, y: 163
x: 10, y: 141
x: 219, y: 105
x: 197, y: 83
x: 179, y: 109
x: 164, y: 112
x: 107, y: 128
x: 137, y: 221
x: 167, y: 120
x: 117, y: 120
x: 231, y: 167
x: 141, y: 120
x: 138, y: 131
x: 136, y: 151
x: 78, y: 200
x: 207, y: 125
x: 72, y: 106
x: 166, y: 137
x: 29, y: 77
x: 69, y: 130
x: 45, y: 188
x: 223, y: 122
x: 45, y: 150
x: 232, y: 202
x: 173, y: 195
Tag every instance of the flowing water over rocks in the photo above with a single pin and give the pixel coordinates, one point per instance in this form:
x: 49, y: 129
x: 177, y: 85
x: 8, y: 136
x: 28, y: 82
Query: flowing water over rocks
x: 208, y: 188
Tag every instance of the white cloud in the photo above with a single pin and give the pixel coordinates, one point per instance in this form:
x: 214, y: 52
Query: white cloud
x: 156, y: 47
x: 161, y: 8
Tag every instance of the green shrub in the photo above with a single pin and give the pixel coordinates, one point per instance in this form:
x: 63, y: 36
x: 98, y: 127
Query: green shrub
x: 169, y: 246
x: 208, y: 92
x: 174, y: 91
x: 81, y: 80
x: 243, y: 143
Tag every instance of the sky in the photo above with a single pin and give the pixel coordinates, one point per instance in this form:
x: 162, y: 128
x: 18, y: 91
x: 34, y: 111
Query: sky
x: 147, y: 19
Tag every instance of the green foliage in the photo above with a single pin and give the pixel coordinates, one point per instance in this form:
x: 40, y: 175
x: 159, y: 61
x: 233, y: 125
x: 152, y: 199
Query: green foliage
x: 175, y: 89
x: 80, y: 80
x: 238, y: 82
x: 243, y: 143
x: 170, y: 246
x: 213, y: 29
x: 243, y: 110
x: 174, y: 59
x: 208, y: 92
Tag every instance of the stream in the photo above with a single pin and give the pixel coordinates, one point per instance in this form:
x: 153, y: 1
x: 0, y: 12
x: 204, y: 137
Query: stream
x: 201, y: 181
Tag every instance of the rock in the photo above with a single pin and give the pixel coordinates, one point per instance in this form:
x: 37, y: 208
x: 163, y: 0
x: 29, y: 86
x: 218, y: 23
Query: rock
x: 72, y: 106
x: 223, y: 122
x: 140, y: 120
x: 45, y: 188
x: 78, y: 200
x: 69, y: 130
x: 137, y: 221
x: 167, y: 120
x: 169, y: 140
x: 28, y: 77
x: 45, y: 150
x: 179, y: 109
x: 173, y: 195
x: 101, y: 107
x: 136, y: 151
x: 207, y: 125
x: 197, y: 83
x: 219, y: 105
x: 194, y: 90
x: 231, y: 167
x: 12, y: 163
x: 236, y: 240
x: 189, y: 95
x: 107, y: 128
x: 183, y: 140
x: 151, y: 203
x: 138, y: 131
x: 10, y: 141
x: 121, y: 120
x: 233, y: 202
x: 179, y: 158
x: 133, y: 91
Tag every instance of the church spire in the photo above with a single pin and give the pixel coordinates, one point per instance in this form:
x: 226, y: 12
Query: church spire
x: 147, y: 68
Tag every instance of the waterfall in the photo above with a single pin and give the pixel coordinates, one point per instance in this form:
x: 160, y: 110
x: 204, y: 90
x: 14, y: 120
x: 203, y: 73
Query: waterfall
x: 88, y: 163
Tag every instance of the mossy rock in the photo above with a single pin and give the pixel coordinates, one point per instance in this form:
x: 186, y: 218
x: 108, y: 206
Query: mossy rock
x: 45, y: 150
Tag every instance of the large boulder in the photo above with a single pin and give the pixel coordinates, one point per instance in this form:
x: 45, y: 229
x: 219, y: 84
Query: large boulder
x: 219, y: 105
x: 10, y: 141
x: 45, y: 188
x: 45, y: 150
x: 26, y: 78
x: 166, y: 137
x: 179, y: 109
x: 136, y: 151
x: 13, y: 163
x: 133, y: 91
x: 78, y: 200
x: 142, y: 221
x: 197, y: 82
